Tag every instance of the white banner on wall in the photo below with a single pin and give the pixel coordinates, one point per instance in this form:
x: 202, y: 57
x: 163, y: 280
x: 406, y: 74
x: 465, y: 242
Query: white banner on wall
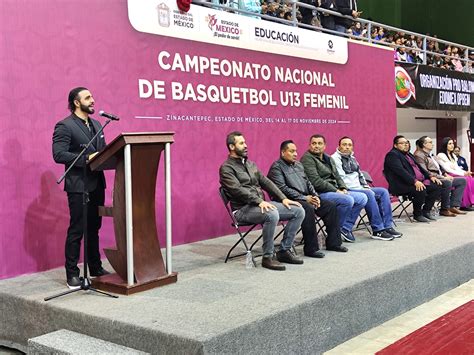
x: 203, y: 24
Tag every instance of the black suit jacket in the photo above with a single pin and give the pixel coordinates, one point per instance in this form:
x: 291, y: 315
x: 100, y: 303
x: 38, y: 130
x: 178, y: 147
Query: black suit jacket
x: 399, y: 173
x: 69, y: 137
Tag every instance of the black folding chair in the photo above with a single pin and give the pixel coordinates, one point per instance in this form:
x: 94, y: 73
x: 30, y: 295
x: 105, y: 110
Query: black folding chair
x: 319, y: 229
x: 403, y: 202
x: 237, y: 227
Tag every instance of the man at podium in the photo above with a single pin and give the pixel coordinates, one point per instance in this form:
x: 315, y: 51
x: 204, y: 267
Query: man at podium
x: 69, y: 138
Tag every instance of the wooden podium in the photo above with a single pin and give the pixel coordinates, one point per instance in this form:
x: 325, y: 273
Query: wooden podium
x: 137, y: 259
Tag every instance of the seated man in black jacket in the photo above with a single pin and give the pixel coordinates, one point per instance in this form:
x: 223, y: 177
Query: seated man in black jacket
x: 243, y: 184
x: 288, y: 175
x: 406, y: 177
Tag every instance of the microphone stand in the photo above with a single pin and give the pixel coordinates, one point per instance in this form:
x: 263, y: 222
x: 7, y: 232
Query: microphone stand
x: 85, y: 282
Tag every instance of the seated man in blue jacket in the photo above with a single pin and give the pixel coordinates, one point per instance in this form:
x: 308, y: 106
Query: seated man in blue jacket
x: 379, y: 206
x: 243, y: 184
x: 288, y: 175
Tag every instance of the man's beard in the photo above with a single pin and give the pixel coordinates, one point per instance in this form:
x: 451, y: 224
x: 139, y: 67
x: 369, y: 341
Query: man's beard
x: 87, y: 109
x: 241, y: 153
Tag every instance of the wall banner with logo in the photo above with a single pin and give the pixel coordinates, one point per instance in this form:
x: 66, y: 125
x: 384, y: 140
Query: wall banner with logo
x: 425, y: 87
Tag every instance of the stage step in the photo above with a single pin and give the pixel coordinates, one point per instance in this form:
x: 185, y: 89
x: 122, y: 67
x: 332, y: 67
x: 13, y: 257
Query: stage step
x: 66, y: 342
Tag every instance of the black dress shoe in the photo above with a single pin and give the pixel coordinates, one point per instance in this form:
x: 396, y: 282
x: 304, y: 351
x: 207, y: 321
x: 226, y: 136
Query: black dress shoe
x: 429, y: 216
x: 269, y: 262
x: 338, y: 248
x: 100, y: 272
x: 315, y: 254
x: 74, y: 283
x: 469, y: 209
x: 286, y: 256
x: 422, y: 219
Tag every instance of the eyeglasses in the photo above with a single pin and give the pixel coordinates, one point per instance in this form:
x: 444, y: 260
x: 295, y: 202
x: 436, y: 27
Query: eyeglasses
x: 402, y: 143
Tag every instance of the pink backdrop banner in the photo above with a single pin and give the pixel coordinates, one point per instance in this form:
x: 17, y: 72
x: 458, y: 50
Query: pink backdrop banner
x: 48, y: 47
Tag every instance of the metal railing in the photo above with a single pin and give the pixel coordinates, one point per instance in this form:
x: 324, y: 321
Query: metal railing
x: 367, y: 37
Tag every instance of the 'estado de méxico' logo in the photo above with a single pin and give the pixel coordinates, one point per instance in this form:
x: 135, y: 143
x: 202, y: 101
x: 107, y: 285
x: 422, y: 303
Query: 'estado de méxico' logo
x: 223, y: 28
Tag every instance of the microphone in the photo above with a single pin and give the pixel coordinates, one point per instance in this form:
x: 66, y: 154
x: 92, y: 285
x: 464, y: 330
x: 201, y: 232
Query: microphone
x: 108, y: 115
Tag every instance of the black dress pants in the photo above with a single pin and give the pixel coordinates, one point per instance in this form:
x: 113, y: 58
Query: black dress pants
x: 328, y: 213
x: 423, y: 201
x: 75, y: 231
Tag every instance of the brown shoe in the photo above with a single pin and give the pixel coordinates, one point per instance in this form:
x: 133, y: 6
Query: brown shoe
x: 456, y: 210
x: 270, y: 263
x: 447, y: 213
x: 286, y: 256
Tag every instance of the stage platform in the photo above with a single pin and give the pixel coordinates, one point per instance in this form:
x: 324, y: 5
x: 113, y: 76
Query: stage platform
x: 218, y: 308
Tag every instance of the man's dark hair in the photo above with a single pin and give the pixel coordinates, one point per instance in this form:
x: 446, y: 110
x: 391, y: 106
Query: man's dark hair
x: 421, y: 141
x: 74, y: 95
x: 397, y: 138
x: 231, y: 138
x: 317, y: 136
x: 284, y: 145
x: 345, y: 137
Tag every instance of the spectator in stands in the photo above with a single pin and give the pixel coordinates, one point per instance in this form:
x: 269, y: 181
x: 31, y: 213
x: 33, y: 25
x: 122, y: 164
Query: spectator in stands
x: 447, y: 64
x: 321, y: 171
x: 448, y: 160
x: 436, y: 44
x: 402, y: 55
x: 431, y: 46
x: 243, y: 184
x: 409, y: 58
x: 406, y: 177
x: 288, y: 175
x: 468, y: 68
x: 264, y: 8
x: 453, y: 188
x: 358, y: 30
x: 273, y: 9
x: 329, y: 21
x: 417, y: 56
x: 457, y: 64
x: 306, y: 13
x: 250, y: 6
x: 437, y: 62
x: 461, y: 161
x: 380, y: 36
x: 378, y: 207
x: 316, y: 22
x: 346, y: 7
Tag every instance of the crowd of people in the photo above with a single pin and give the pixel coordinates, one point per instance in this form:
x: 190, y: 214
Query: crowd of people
x: 335, y: 188
x: 407, y: 47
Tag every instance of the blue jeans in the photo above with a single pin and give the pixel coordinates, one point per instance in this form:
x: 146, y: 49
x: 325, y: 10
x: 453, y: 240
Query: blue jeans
x: 378, y: 208
x: 348, y: 206
x: 269, y: 220
x: 340, y: 28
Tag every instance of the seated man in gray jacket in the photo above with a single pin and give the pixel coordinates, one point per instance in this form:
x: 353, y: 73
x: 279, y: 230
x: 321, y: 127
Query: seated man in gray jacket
x: 379, y: 206
x: 243, y: 184
x: 288, y: 175
x: 453, y: 187
x: 322, y: 173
